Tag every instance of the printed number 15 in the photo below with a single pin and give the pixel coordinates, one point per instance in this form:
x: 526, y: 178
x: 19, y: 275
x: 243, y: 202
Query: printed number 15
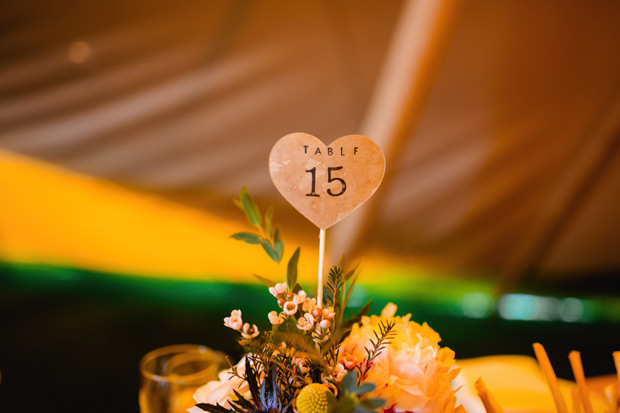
x: 329, y: 179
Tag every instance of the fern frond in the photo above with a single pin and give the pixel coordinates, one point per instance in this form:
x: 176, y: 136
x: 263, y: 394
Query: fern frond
x: 334, y: 286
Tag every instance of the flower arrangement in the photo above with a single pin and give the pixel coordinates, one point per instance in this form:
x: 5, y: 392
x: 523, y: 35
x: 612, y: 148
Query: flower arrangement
x: 313, y: 360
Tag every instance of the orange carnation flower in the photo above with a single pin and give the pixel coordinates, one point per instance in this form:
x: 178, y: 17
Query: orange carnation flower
x: 413, y: 373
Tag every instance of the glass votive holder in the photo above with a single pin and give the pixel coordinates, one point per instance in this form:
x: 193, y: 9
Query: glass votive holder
x: 170, y: 376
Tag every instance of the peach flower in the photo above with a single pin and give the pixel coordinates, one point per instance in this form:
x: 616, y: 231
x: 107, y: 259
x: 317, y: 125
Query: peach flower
x: 234, y: 321
x: 249, y: 332
x: 300, y: 297
x: 290, y: 308
x: 275, y: 318
x: 413, y: 373
x: 308, y: 304
x: 306, y: 322
x: 278, y: 289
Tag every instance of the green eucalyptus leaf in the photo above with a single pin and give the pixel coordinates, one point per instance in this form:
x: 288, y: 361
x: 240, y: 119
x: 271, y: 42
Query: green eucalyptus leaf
x: 357, y: 317
x: 278, y: 245
x: 364, y: 388
x: 269, y: 222
x: 347, y: 296
x: 342, y: 405
x: 265, y: 281
x: 353, y: 271
x: 291, y: 271
x: 349, y: 382
x: 238, y: 203
x: 364, y: 310
x: 270, y: 250
x: 373, y: 404
x: 250, y: 208
x: 360, y: 408
x: 341, y: 262
x: 246, y: 237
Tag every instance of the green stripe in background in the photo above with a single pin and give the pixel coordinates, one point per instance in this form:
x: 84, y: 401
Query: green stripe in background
x: 74, y: 337
x: 456, y: 296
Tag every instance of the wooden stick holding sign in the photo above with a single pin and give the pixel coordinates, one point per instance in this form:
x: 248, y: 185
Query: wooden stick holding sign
x: 319, y: 292
x: 325, y: 183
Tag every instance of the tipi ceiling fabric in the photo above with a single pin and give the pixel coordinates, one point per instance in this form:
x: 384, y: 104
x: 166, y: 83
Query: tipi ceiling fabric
x: 185, y: 99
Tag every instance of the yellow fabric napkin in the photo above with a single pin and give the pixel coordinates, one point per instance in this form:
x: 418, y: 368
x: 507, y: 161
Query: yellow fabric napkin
x: 516, y: 382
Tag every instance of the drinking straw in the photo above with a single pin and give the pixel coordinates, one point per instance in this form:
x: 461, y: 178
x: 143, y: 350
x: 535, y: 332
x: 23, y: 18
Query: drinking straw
x: 490, y: 404
x: 576, y: 400
x: 575, y: 363
x: 616, y: 393
x: 616, y: 355
x: 552, y: 380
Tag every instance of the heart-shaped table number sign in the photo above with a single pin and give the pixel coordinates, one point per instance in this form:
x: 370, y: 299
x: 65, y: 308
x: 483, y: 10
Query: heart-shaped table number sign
x: 326, y: 182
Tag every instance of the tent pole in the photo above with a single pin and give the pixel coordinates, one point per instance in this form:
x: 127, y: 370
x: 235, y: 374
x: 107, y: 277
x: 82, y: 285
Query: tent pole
x: 417, y: 50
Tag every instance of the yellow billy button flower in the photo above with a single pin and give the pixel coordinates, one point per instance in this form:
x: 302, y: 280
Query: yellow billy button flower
x: 313, y: 399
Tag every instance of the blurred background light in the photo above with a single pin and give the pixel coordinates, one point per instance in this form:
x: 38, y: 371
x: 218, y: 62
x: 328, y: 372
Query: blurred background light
x: 478, y: 305
x: 544, y: 308
x: 79, y: 52
x: 571, y: 310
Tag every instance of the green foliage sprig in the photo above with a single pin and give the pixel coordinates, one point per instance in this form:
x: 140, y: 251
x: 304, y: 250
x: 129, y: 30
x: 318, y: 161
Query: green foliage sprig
x: 382, y: 339
x: 268, y: 237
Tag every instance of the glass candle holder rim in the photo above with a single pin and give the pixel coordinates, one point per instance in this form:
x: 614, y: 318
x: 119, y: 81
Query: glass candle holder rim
x: 180, y: 348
